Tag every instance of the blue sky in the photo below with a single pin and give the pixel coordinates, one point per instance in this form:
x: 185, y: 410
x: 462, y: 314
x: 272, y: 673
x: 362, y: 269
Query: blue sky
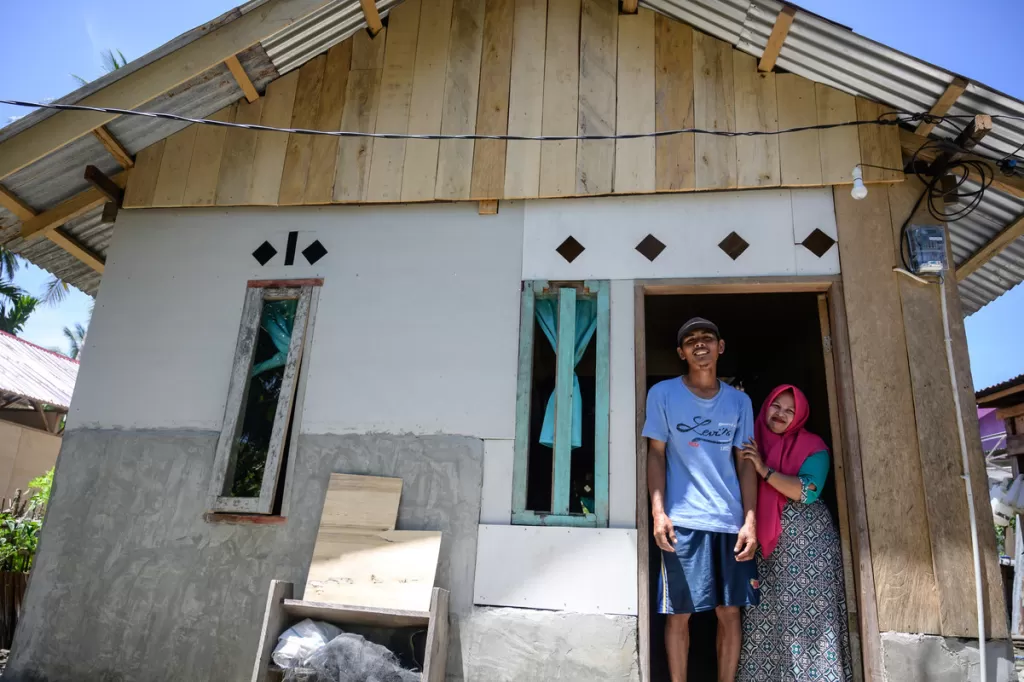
x: 979, y: 44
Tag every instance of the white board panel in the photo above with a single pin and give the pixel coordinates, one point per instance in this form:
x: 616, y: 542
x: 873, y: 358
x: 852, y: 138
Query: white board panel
x: 814, y: 209
x: 622, y: 409
x: 690, y: 226
x: 496, y: 496
x: 584, y: 570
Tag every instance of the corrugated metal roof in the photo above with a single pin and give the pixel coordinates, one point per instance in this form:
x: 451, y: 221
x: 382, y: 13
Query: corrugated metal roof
x: 1001, y: 386
x: 33, y: 372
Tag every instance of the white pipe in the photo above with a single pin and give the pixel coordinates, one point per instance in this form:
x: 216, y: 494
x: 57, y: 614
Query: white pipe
x: 979, y: 593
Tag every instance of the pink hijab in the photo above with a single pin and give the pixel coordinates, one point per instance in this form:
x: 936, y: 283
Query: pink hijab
x: 785, y: 453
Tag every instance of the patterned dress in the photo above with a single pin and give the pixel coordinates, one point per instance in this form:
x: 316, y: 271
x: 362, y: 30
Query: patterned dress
x: 799, y: 632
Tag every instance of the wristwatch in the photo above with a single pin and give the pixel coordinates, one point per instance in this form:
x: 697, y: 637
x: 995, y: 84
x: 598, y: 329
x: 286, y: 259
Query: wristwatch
x: 769, y: 474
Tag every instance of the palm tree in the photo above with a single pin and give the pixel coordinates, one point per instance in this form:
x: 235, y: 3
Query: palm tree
x: 8, y: 263
x: 76, y: 340
x: 14, y: 316
x: 111, y: 62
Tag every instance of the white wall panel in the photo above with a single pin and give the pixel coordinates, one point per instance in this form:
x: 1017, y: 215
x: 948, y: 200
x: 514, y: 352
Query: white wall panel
x: 622, y: 409
x: 814, y: 209
x: 496, y: 496
x: 585, y: 570
x: 690, y: 225
x: 417, y: 327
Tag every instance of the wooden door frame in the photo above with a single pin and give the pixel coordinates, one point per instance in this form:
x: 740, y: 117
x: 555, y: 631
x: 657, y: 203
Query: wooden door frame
x: 846, y: 440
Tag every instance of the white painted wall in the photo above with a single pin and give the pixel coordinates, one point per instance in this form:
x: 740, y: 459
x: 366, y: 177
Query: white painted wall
x: 417, y: 328
x: 691, y: 226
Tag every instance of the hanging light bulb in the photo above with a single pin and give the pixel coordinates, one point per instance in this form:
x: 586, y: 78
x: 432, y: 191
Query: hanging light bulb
x: 859, y: 191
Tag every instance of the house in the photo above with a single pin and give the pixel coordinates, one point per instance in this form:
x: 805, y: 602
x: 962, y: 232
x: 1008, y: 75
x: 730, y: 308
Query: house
x: 35, y: 392
x: 382, y: 296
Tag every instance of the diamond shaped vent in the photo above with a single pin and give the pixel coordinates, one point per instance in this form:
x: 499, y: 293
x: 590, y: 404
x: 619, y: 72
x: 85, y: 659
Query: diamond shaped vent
x: 818, y: 243
x: 733, y: 245
x: 651, y: 247
x: 570, y: 249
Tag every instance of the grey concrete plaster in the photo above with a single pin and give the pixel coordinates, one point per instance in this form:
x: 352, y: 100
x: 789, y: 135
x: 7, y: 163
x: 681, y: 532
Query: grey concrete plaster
x: 519, y: 645
x: 930, y: 658
x: 131, y: 583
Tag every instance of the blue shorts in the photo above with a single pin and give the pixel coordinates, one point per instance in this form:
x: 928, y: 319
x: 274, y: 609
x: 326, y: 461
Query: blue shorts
x: 703, y: 574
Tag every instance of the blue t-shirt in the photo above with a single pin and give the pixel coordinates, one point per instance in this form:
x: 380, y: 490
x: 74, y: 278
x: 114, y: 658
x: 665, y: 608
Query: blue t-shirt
x: 702, y: 490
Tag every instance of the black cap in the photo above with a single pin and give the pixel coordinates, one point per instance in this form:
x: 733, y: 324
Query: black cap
x: 692, y: 325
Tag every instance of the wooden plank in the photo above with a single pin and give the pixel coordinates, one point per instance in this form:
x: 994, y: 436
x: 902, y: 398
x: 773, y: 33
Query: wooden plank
x: 98, y: 179
x: 879, y: 145
x: 271, y: 147
x: 435, y: 660
x: 1010, y: 412
x: 907, y: 592
x: 595, y: 159
x: 323, y: 160
x: 173, y: 167
x: 492, y: 101
x: 153, y: 79
x: 114, y: 148
x: 19, y: 208
x: 943, y: 104
x: 235, y: 176
x: 372, y: 17
x: 77, y: 249
x: 462, y: 85
x: 348, y: 614
x: 799, y: 153
x: 204, y: 168
x: 991, y: 249
x: 635, y: 159
x: 274, y: 621
x: 139, y: 191
x: 72, y: 208
x: 1015, y: 444
x: 757, y: 158
x: 714, y: 108
x: 388, y: 160
x: 565, y: 363
x: 839, y: 147
x: 602, y: 390
x: 643, y: 510
x: 911, y: 143
x: 353, y: 503
x: 673, y: 97
x: 419, y: 173
x: 354, y: 153
x: 300, y: 147
x: 777, y: 37
x: 392, y: 569
x: 629, y: 6
x: 488, y: 207
x: 561, y: 98
x: 524, y: 392
x: 867, y: 609
x: 368, y: 51
x: 526, y: 99
x: 242, y: 78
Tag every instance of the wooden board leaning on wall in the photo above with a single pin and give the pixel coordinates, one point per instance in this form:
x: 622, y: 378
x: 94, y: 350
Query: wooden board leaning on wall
x: 450, y: 66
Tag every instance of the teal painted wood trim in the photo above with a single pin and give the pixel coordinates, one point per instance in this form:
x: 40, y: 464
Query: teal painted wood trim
x: 524, y: 387
x: 565, y: 363
x: 602, y: 397
x: 531, y: 518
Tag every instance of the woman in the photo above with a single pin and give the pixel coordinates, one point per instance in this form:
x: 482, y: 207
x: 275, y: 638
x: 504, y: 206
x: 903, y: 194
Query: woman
x: 799, y: 631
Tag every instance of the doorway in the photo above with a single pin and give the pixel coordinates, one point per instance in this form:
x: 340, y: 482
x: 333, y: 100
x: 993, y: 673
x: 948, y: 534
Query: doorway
x: 771, y: 337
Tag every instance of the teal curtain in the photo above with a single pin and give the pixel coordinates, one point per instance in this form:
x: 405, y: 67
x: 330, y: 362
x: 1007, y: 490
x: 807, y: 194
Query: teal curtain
x: 586, y: 325
x: 277, y: 320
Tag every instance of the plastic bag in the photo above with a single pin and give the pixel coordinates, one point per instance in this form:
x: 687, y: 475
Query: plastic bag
x: 299, y: 641
x: 351, y: 658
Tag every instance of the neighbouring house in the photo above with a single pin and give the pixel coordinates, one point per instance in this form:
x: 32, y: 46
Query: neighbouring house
x: 281, y: 306
x: 35, y: 391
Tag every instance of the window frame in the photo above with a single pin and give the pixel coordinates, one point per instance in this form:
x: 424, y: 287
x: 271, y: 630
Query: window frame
x: 566, y: 294
x: 306, y: 292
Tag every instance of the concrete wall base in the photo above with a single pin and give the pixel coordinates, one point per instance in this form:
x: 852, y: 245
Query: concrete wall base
x: 930, y: 658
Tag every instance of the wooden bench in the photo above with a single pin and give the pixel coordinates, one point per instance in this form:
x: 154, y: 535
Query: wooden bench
x: 283, y: 612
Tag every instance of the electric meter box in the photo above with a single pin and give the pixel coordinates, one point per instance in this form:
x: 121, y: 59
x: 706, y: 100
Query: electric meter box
x: 927, y: 247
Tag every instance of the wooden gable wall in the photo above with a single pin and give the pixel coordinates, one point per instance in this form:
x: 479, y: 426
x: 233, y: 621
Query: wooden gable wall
x: 524, y: 67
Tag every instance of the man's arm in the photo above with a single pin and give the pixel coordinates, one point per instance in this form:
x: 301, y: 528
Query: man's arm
x: 664, y: 533
x: 746, y: 542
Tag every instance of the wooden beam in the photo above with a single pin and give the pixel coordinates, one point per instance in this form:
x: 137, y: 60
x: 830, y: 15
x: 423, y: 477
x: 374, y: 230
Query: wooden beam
x: 115, y: 148
x: 1012, y: 185
x: 153, y: 79
x: 77, y: 249
x: 242, y: 78
x: 778, y: 36
x: 488, y: 207
x: 1001, y: 394
x: 944, y: 104
x: 630, y: 6
x: 1005, y: 413
x: 50, y: 428
x: 991, y: 249
x: 100, y: 181
x: 74, y: 207
x: 969, y: 137
x: 372, y: 16
x: 15, y: 205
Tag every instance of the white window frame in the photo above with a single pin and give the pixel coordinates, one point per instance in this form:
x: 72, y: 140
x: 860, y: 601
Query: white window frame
x: 306, y: 293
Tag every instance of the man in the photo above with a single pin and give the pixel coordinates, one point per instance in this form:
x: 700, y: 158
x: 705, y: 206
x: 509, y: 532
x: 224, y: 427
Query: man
x: 703, y: 497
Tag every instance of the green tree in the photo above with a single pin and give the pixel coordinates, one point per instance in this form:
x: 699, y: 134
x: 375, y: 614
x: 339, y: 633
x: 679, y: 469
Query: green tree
x: 111, y: 62
x: 15, y: 314
x: 76, y: 340
x: 8, y: 263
